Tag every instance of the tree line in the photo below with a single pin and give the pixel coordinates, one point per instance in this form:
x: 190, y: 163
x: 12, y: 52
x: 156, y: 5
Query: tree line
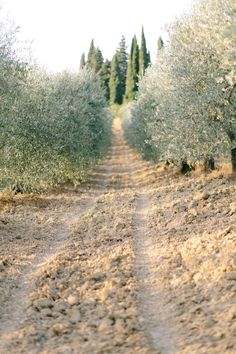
x: 120, y: 76
x: 53, y: 128
x: 185, y: 111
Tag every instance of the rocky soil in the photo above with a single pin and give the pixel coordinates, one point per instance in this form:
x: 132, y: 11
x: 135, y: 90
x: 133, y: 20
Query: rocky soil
x: 138, y: 260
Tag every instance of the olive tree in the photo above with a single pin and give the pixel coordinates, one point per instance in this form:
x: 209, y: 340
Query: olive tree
x: 57, y: 130
x: 185, y: 109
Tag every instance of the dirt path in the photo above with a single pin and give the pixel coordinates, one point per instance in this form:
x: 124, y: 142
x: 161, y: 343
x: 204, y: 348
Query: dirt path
x: 67, y: 275
x: 140, y: 260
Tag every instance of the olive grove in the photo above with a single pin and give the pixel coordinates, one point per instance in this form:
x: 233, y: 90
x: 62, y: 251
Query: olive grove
x: 185, y: 109
x: 53, y: 128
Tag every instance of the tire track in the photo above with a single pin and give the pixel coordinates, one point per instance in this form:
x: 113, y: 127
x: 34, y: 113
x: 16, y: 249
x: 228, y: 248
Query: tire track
x: 151, y: 302
x: 139, y: 175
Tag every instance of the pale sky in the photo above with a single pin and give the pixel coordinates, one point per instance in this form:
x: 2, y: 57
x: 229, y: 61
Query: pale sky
x: 62, y: 30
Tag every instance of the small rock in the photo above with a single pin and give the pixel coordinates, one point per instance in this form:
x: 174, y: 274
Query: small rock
x: 73, y: 300
x: 205, y: 195
x: 47, y: 312
x: 58, y: 328
x: 98, y: 276
x: 60, y: 307
x: 197, y: 277
x: 43, y: 303
x: 120, y: 226
x: 198, y: 299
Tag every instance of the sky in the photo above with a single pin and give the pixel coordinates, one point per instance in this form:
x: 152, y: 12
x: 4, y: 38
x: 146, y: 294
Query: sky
x: 61, y: 30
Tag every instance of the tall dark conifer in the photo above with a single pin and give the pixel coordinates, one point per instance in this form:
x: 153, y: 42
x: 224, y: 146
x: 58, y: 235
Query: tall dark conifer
x: 82, y: 61
x: 104, y: 77
x: 129, y: 76
x: 95, y: 58
x: 144, y: 56
x: 122, y: 57
x: 115, y: 82
x: 135, y: 63
x: 160, y: 44
x: 132, y: 71
x: 98, y: 60
x: 91, y: 53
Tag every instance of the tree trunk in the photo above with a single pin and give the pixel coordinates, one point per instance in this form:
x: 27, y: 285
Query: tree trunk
x: 233, y: 159
x: 185, y: 168
x: 209, y: 164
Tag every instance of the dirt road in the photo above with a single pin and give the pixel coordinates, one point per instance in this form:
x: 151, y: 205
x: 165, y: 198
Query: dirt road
x: 139, y: 260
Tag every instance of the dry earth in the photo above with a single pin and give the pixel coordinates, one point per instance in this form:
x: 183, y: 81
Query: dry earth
x: 139, y: 260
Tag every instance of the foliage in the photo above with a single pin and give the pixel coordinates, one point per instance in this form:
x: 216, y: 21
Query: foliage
x: 55, y: 132
x: 132, y: 71
x: 122, y: 62
x: 95, y: 58
x: 123, y: 73
x: 82, y: 61
x: 118, y: 74
x: 160, y: 44
x: 53, y: 129
x: 185, y: 108
x: 115, y: 83
x: 144, y: 56
x: 104, y: 78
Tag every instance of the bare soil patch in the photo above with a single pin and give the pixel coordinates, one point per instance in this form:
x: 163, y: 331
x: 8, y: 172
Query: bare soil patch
x: 138, y: 260
x: 190, y: 246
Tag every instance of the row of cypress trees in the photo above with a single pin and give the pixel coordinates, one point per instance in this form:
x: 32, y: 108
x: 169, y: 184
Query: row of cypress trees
x: 119, y: 77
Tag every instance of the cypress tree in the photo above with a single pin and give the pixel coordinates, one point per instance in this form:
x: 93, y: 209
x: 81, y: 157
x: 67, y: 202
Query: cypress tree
x: 149, y: 57
x: 122, y: 61
x: 144, y: 56
x: 115, y: 82
x: 95, y: 58
x: 82, y: 61
x: 91, y: 53
x: 160, y: 44
x: 104, y: 77
x: 132, y: 71
x: 136, y: 63
x: 98, y: 60
x: 129, y: 76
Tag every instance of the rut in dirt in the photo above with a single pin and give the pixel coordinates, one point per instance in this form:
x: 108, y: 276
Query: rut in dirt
x: 157, y: 330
